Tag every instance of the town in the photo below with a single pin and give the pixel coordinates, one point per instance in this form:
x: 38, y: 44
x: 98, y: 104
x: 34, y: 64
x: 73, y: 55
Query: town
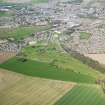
x: 81, y: 29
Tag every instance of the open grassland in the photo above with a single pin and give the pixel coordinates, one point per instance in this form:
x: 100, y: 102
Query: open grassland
x: 5, y: 14
x: 8, y: 78
x: 46, y: 62
x: 34, y: 91
x: 84, y: 35
x: 20, y: 32
x: 61, y: 60
x: 45, y: 70
x: 83, y: 95
x: 6, y: 56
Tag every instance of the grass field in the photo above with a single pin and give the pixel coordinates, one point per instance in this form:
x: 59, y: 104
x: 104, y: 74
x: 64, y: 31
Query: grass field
x: 83, y: 95
x: 43, y: 67
x: 45, y: 70
x: 84, y: 35
x: 2, y: 14
x: 61, y: 60
x: 46, y: 62
x: 23, y: 90
x: 34, y: 91
x: 20, y: 32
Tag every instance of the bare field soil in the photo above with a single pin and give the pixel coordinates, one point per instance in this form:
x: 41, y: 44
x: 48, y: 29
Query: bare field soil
x: 98, y: 57
x: 34, y: 91
x: 5, y: 56
x: 8, y: 78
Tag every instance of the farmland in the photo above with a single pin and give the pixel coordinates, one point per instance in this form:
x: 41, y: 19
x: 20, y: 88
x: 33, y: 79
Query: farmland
x: 20, y: 32
x: 3, y: 14
x: 45, y: 70
x: 46, y: 62
x: 84, y: 35
x: 49, y: 91
x: 53, y: 76
x: 5, y: 56
x: 64, y: 61
x: 83, y: 95
x: 8, y: 78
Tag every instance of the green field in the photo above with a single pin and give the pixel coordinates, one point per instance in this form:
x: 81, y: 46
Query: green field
x: 83, y: 95
x: 3, y: 14
x: 20, y: 32
x: 49, y: 54
x: 47, y: 62
x: 45, y: 70
x: 39, y: 1
x: 84, y: 35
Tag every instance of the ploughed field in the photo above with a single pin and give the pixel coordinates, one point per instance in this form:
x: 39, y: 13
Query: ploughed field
x: 25, y: 90
x: 83, y: 95
x: 32, y: 91
x: 8, y: 78
x: 50, y: 77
